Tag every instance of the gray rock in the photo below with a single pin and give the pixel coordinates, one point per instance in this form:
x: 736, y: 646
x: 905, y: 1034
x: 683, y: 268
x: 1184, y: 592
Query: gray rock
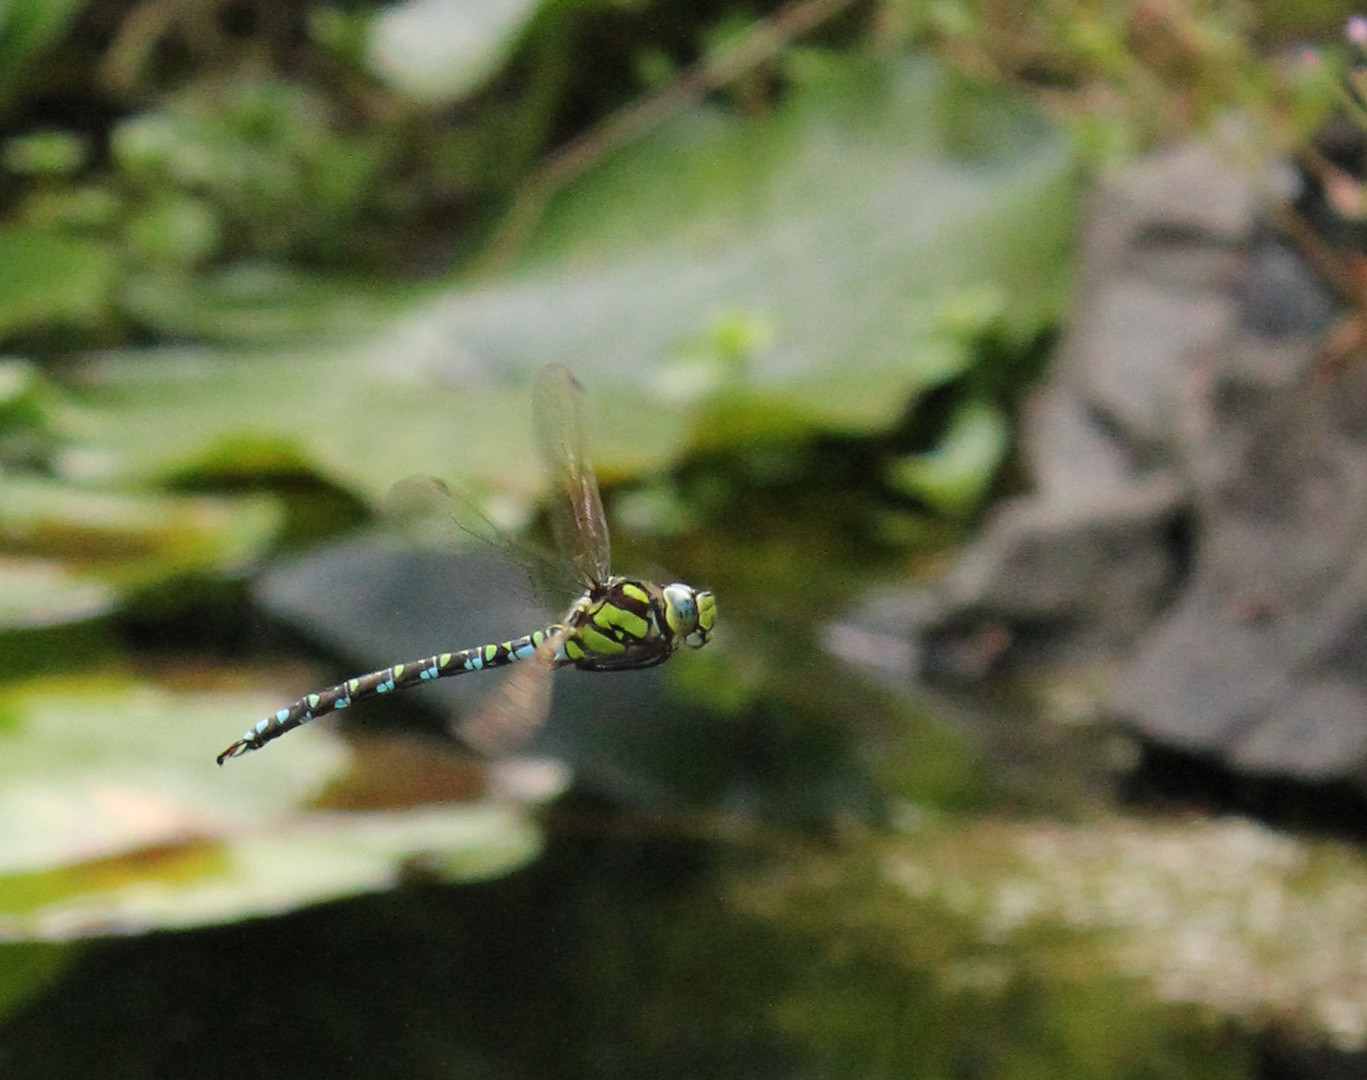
x: 1201, y: 502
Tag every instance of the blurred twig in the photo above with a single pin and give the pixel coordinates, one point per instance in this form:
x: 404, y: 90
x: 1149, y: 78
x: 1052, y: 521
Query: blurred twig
x: 763, y: 42
x: 197, y: 24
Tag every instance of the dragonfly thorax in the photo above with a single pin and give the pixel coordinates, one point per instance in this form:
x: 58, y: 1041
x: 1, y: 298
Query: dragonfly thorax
x: 623, y: 623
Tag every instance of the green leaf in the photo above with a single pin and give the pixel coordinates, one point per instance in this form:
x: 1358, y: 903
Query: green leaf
x: 243, y: 304
x: 115, y: 819
x: 27, y: 29
x: 44, y: 153
x: 727, y: 279
x: 26, y: 970
x: 955, y: 477
x: 71, y: 552
x: 51, y: 277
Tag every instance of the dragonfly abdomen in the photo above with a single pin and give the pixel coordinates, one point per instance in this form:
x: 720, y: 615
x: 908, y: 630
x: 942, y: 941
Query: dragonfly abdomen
x: 335, y: 698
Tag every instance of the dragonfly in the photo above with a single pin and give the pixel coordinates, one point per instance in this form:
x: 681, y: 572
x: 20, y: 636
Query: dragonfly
x: 617, y: 624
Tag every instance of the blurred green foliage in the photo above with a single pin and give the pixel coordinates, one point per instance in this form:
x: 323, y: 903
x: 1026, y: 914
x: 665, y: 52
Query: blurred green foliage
x: 354, y: 142
x: 28, y: 30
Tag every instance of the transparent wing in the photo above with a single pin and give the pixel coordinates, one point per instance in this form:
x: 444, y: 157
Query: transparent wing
x: 425, y: 509
x: 509, y: 716
x: 581, y: 530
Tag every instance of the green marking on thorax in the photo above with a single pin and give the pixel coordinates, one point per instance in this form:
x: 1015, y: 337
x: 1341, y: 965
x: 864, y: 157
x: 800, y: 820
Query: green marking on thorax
x: 596, y: 641
x: 633, y: 624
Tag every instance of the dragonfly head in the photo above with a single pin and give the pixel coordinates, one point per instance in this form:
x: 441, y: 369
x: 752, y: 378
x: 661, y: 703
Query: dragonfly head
x: 691, y: 613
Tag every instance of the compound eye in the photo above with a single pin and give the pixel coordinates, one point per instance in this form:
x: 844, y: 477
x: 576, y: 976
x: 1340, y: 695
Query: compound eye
x: 706, y: 606
x: 690, y: 613
x: 681, y: 610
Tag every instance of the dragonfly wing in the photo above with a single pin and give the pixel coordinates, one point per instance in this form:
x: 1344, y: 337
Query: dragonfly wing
x: 508, y: 717
x: 425, y: 508
x: 581, y: 529
x: 425, y: 505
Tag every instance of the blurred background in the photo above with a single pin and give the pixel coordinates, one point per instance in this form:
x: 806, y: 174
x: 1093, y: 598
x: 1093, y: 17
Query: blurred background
x: 997, y: 365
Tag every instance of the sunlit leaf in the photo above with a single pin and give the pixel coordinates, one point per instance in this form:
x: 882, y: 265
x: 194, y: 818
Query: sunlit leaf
x: 68, y: 552
x: 437, y: 50
x: 44, y: 592
x: 725, y: 279
x: 115, y: 819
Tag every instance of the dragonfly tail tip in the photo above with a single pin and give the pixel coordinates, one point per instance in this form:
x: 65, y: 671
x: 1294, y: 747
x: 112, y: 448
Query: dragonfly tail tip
x: 236, y: 750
